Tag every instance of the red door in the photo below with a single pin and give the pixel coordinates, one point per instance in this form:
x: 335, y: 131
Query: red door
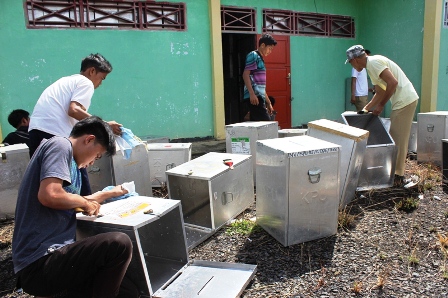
x: 278, y: 80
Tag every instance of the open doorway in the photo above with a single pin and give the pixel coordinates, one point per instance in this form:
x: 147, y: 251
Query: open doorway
x: 235, y: 47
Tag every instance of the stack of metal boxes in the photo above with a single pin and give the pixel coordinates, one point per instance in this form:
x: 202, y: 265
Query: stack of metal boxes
x: 378, y: 167
x: 160, y: 266
x: 432, y: 128
x: 116, y: 170
x: 15, y: 159
x: 241, y: 138
x: 298, y: 188
x: 353, y: 142
x: 292, y: 132
x: 165, y: 156
x: 211, y: 192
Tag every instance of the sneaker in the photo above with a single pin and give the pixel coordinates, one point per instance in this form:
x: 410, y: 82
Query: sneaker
x: 398, y: 181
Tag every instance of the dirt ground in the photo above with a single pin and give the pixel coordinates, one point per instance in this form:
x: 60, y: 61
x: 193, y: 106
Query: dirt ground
x: 390, y: 243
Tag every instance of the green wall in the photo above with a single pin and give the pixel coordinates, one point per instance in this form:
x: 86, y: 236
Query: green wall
x: 160, y: 84
x: 397, y: 33
x: 442, y: 92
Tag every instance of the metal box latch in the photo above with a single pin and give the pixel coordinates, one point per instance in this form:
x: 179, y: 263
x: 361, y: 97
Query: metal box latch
x: 226, y: 197
x: 430, y: 127
x: 314, y: 175
x: 170, y: 166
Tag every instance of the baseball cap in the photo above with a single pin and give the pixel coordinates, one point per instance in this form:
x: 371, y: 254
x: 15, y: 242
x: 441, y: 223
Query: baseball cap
x: 354, y: 52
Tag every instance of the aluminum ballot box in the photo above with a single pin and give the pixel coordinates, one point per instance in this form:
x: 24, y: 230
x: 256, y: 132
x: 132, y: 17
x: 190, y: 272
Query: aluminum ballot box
x: 378, y: 166
x: 297, y: 188
x: 353, y: 142
x: 115, y: 170
x: 15, y: 159
x: 432, y: 128
x: 292, y: 132
x: 160, y: 266
x: 165, y: 156
x: 241, y: 138
x: 211, y: 192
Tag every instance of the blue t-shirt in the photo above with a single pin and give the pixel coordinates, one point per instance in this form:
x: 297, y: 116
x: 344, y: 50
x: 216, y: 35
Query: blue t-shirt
x: 255, y: 64
x: 38, y: 229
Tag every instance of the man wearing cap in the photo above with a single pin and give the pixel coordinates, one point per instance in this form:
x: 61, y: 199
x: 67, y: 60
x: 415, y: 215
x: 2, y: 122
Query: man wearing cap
x: 390, y: 83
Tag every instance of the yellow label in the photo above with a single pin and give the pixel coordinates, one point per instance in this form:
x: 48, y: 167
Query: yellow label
x: 133, y: 210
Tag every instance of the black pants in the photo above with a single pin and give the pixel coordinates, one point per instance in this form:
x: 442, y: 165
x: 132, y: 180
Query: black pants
x: 258, y: 112
x: 36, y: 137
x: 92, y: 267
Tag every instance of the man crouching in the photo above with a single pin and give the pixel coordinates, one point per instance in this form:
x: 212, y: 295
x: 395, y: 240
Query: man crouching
x: 47, y: 260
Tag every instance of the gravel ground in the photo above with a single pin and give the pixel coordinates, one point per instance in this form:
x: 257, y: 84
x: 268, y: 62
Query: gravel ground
x: 382, y: 249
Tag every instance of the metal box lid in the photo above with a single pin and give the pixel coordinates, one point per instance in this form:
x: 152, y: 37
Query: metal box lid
x: 208, y: 166
x: 436, y: 113
x: 254, y: 124
x: 168, y: 146
x: 130, y: 212
x: 208, y: 279
x: 346, y: 131
x: 378, y: 135
x: 17, y: 148
x: 300, y: 146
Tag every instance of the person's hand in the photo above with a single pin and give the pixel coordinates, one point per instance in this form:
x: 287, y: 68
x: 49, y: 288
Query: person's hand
x: 353, y: 99
x: 119, y: 190
x: 254, y: 99
x: 115, y: 127
x: 269, y: 108
x: 91, y: 207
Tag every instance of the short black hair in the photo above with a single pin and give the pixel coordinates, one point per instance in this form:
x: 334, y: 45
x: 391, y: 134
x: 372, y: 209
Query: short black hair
x: 94, y: 125
x: 367, y: 51
x: 267, y: 39
x: 16, y: 116
x: 98, y: 61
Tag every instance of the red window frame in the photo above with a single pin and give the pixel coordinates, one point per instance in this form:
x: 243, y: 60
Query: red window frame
x: 97, y: 14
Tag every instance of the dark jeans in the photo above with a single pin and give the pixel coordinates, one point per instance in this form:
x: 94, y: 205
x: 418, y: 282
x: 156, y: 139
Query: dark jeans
x: 36, y: 137
x: 258, y: 112
x: 91, y: 267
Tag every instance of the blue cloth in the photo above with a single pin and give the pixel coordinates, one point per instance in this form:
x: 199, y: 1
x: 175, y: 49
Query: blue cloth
x: 129, y: 194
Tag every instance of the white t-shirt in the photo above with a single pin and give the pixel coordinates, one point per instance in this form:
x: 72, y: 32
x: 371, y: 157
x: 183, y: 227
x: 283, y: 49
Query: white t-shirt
x: 362, y: 87
x: 50, y: 112
x: 405, y: 92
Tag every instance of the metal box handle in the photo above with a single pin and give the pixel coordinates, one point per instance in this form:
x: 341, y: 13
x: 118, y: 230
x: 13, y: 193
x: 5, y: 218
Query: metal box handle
x: 170, y: 166
x: 226, y: 197
x: 430, y: 127
x: 314, y: 175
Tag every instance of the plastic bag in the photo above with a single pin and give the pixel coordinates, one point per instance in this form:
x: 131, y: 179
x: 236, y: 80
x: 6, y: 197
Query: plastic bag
x: 126, y: 142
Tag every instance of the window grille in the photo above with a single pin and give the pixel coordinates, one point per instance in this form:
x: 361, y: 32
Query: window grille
x: 128, y: 14
x: 237, y: 19
x: 279, y: 21
x: 299, y: 23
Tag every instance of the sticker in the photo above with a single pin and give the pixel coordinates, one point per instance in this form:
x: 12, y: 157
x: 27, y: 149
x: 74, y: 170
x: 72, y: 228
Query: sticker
x: 241, y: 145
x: 312, y: 152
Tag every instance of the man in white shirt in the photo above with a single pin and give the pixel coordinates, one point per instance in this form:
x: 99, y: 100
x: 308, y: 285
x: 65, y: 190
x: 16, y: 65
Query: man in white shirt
x: 359, y: 87
x: 65, y: 102
x: 391, y: 84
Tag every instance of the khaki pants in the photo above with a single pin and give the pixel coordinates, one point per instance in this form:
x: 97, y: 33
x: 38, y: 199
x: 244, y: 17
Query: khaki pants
x: 400, y: 131
x: 360, y: 102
